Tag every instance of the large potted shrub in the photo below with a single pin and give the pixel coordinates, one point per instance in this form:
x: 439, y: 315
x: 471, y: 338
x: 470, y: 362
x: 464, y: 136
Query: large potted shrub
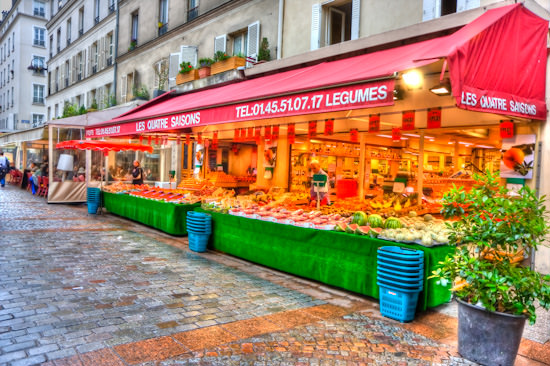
x: 496, y: 293
x: 187, y: 73
x: 223, y: 62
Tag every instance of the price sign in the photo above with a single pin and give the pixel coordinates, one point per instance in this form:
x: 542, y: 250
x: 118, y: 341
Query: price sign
x: 329, y: 127
x: 374, y: 123
x: 291, y: 133
x: 506, y: 129
x: 354, y: 135
x: 199, y: 137
x: 312, y: 129
x: 215, y: 140
x: 434, y: 117
x: 408, y: 120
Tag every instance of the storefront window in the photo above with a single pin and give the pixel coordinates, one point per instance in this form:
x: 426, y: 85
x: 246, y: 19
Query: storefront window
x: 68, y: 164
x: 151, y: 166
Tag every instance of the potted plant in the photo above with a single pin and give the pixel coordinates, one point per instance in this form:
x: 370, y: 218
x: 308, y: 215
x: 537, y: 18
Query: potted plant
x: 133, y: 44
x: 263, y: 52
x: 204, y: 69
x: 496, y: 294
x: 140, y: 93
x: 187, y: 73
x: 224, y: 62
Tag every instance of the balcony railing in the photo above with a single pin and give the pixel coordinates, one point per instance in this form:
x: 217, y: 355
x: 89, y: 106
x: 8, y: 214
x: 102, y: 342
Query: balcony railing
x: 66, y: 82
x: 111, y: 8
x: 109, y: 61
x: 192, y: 13
x: 163, y: 29
x: 80, y: 32
x: 94, y: 69
x: 96, y: 20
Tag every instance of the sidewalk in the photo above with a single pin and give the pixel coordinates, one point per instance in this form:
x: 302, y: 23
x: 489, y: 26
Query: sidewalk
x: 79, y: 289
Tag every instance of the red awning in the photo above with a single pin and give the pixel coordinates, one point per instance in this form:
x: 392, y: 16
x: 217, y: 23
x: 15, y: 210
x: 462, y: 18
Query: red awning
x: 99, y: 145
x: 497, y: 64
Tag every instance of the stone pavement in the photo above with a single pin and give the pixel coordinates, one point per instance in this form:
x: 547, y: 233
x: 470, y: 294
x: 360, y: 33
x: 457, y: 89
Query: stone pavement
x: 80, y: 289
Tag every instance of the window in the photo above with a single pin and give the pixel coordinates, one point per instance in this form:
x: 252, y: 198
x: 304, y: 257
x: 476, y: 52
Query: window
x: 39, y: 37
x: 135, y: 24
x: 95, y: 56
x: 335, y: 22
x: 67, y: 73
x: 80, y: 66
x: 69, y: 31
x: 192, y: 9
x: 12, y: 68
x: 163, y: 17
x: 110, y: 50
x: 111, y: 6
x: 96, y: 11
x: 51, y: 46
x: 240, y: 45
x: 13, y: 43
x: 37, y: 120
x: 9, y: 42
x: 81, y: 21
x: 39, y: 8
x: 8, y: 74
x: 58, y: 39
x: 57, y: 75
x: 437, y: 8
x: 38, y: 62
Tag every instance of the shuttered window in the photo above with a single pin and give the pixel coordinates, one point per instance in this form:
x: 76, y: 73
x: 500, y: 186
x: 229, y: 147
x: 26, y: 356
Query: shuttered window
x: 189, y: 54
x: 173, y: 69
x: 315, y: 26
x: 220, y: 43
x: 253, y: 40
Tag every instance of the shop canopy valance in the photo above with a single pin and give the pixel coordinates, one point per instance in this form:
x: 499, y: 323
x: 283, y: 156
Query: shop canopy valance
x: 105, y: 146
x: 497, y: 64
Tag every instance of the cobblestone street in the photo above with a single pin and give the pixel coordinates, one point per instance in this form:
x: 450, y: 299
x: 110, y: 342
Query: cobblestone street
x: 80, y: 289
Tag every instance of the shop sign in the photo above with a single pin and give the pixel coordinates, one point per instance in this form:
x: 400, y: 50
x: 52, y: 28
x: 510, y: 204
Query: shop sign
x: 215, y: 140
x: 312, y: 129
x: 407, y: 120
x: 354, y: 135
x: 506, y: 129
x: 258, y: 135
x: 267, y: 133
x: 500, y: 103
x: 329, y: 127
x: 366, y: 95
x: 374, y: 123
x: 275, y: 133
x: 434, y: 117
x: 291, y: 133
x: 396, y: 134
x: 187, y: 138
x: 199, y: 137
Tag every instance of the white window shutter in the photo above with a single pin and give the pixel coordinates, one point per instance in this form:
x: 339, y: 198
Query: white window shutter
x: 355, y: 18
x: 70, y: 73
x: 431, y: 9
x: 462, y: 5
x: 102, y: 54
x: 189, y: 54
x: 253, y: 40
x: 90, y: 58
x: 220, y: 43
x: 173, y: 69
x: 123, y: 88
x: 315, y: 26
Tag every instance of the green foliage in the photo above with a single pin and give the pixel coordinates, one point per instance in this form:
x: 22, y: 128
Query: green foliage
x: 492, y: 226
x: 82, y: 110
x: 70, y: 110
x: 220, y: 56
x: 141, y: 92
x: 205, y: 62
x: 185, y: 67
x: 263, y: 52
x: 94, y: 104
x: 239, y: 54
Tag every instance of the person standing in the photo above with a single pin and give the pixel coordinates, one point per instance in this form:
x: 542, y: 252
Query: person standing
x: 4, y: 168
x: 322, y: 190
x: 137, y: 173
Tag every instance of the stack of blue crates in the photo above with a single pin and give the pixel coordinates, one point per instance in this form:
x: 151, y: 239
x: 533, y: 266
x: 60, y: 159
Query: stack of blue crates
x: 400, y: 278
x: 93, y: 199
x: 199, y: 228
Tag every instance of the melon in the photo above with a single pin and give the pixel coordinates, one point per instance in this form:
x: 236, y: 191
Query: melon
x: 362, y: 230
x: 374, y: 232
x: 340, y: 226
x: 412, y: 214
x: 351, y: 228
x: 359, y: 218
x: 428, y: 217
x: 375, y: 221
x: 393, y: 223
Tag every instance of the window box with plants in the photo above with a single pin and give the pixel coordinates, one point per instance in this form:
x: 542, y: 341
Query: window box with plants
x: 187, y: 73
x: 140, y: 93
x: 205, y: 65
x: 496, y: 293
x: 224, y: 62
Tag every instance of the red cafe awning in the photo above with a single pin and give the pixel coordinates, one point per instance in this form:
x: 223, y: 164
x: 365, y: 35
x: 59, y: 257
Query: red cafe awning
x: 100, y: 145
x: 497, y: 64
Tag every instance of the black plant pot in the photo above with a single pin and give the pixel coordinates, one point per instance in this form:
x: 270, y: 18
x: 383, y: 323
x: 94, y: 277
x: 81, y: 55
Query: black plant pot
x: 158, y: 92
x: 487, y: 337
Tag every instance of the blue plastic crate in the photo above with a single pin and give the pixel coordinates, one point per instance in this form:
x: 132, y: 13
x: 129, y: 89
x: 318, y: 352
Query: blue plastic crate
x: 397, y: 304
x: 405, y: 272
x: 92, y: 207
x: 400, y: 277
x: 400, y: 263
x: 400, y: 253
x: 415, y: 286
x: 198, y: 242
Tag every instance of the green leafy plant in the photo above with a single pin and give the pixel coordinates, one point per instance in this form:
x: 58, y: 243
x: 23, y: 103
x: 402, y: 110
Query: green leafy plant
x: 141, y: 92
x: 82, y: 110
x: 70, y: 110
x: 220, y: 56
x: 93, y: 105
x: 239, y: 54
x: 185, y: 67
x: 206, y: 62
x: 133, y: 44
x: 493, y: 231
x: 161, y: 72
x: 263, y: 52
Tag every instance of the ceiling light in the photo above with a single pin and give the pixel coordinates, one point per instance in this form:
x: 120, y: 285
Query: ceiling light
x: 386, y: 136
x: 485, y: 147
x: 413, y: 79
x: 442, y: 89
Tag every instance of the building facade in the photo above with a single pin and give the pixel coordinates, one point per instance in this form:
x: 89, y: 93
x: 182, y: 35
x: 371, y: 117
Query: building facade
x: 23, y: 54
x: 81, y: 50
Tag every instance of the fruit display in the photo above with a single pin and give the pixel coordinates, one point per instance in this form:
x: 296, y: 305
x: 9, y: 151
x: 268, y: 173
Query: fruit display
x: 120, y: 187
x: 425, y: 230
x: 168, y: 195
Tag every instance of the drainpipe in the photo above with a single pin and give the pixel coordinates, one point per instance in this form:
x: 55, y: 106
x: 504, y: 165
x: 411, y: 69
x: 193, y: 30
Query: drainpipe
x: 280, y: 29
x: 115, y: 66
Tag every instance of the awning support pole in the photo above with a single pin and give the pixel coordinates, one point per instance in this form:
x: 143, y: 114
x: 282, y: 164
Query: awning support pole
x: 420, y: 180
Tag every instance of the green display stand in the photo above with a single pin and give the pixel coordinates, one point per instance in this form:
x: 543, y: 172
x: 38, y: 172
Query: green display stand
x: 343, y: 260
x: 168, y: 217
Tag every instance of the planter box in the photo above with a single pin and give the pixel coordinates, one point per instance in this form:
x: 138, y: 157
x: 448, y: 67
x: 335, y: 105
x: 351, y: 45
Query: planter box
x: 188, y: 76
x: 204, y: 72
x: 229, y: 64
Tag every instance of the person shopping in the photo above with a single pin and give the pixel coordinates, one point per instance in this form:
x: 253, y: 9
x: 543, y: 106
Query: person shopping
x: 4, y: 168
x: 137, y: 173
x: 321, y: 190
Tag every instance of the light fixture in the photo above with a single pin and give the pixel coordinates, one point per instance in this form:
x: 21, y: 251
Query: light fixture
x: 413, y: 79
x: 386, y: 136
x: 442, y: 89
x: 398, y: 93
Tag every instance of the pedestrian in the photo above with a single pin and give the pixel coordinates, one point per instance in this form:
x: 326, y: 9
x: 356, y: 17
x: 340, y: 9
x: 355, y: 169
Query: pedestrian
x: 137, y: 173
x: 4, y: 168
